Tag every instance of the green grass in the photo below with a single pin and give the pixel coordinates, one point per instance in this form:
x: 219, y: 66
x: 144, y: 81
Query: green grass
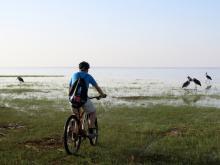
x: 154, y: 135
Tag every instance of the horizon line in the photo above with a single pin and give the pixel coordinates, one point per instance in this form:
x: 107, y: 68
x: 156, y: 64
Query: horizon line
x: 168, y: 67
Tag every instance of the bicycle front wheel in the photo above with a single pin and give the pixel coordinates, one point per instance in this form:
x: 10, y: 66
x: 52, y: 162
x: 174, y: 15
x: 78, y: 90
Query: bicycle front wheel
x: 72, y: 139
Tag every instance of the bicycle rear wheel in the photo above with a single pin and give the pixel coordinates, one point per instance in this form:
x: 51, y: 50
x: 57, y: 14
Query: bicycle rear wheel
x: 94, y: 140
x: 72, y: 139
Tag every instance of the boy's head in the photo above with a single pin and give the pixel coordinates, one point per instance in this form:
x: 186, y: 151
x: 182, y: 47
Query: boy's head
x: 84, y: 66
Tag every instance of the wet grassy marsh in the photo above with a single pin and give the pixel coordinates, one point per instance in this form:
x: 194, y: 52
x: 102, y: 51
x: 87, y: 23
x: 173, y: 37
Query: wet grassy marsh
x: 33, y: 114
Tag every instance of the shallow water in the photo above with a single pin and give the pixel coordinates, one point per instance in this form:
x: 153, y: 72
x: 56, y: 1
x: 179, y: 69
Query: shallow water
x: 124, y: 86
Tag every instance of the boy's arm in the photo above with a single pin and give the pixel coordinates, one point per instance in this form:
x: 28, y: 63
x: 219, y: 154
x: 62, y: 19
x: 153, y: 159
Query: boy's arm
x: 94, y: 84
x: 100, y: 91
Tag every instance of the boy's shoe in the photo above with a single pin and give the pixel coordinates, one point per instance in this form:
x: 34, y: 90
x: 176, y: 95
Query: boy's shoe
x: 92, y: 135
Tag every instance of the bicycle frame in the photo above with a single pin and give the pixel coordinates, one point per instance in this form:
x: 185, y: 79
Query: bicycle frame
x: 82, y: 117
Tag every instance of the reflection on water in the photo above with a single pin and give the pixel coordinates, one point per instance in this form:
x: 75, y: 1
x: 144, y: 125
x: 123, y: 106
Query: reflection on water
x: 208, y: 87
x: 191, y: 99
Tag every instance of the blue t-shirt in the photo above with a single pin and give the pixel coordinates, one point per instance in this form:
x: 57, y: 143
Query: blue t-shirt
x: 87, y: 77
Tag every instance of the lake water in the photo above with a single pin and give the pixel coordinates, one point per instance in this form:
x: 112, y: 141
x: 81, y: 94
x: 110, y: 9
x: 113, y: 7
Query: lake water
x: 124, y: 86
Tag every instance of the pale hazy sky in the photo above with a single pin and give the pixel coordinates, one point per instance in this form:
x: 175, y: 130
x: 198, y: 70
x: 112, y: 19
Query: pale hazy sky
x: 146, y: 33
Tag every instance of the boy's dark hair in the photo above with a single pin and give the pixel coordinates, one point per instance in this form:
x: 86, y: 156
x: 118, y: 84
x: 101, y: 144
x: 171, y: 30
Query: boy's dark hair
x: 84, y: 65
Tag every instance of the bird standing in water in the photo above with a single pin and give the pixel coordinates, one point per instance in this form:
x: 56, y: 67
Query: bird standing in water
x: 208, y: 77
x: 186, y: 84
x: 20, y: 79
x: 197, y: 82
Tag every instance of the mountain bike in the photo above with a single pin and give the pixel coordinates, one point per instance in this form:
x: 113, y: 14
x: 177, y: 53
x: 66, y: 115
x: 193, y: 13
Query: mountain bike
x: 76, y: 130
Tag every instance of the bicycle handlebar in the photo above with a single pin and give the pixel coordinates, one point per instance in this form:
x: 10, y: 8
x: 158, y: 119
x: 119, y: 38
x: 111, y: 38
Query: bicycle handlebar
x: 97, y: 97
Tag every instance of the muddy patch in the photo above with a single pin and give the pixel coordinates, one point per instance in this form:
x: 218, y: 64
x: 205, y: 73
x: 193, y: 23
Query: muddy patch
x: 45, y: 143
x: 5, y: 128
x: 175, y: 131
x: 8, y: 126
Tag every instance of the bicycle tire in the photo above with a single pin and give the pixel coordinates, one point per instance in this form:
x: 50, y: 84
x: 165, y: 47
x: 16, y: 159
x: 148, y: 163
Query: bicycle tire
x: 72, y: 140
x: 94, y: 141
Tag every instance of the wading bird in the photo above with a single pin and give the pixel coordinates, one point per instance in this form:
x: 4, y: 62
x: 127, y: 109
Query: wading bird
x: 186, y: 84
x: 197, y: 82
x: 20, y: 79
x: 208, y: 78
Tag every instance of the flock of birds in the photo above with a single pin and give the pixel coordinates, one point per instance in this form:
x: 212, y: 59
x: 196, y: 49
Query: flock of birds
x: 196, y: 81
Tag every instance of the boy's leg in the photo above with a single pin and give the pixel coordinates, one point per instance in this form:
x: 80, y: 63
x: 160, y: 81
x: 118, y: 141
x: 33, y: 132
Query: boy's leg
x: 91, y: 111
x: 92, y: 117
x: 73, y: 129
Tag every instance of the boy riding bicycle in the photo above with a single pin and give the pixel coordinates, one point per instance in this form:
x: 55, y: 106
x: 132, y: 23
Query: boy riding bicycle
x: 88, y: 106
